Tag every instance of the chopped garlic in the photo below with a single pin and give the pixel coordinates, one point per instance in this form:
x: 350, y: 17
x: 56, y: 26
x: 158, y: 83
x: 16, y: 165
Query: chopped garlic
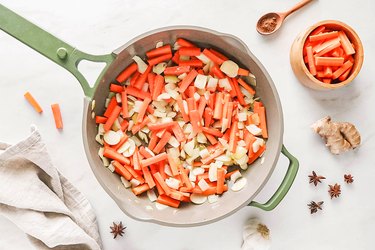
x: 111, y: 137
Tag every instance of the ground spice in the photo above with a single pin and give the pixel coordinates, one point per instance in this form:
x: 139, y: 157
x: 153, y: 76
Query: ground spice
x: 268, y: 24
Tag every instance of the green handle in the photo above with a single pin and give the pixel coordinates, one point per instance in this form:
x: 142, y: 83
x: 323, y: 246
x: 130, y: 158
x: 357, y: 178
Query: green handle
x: 285, y: 184
x: 51, y: 47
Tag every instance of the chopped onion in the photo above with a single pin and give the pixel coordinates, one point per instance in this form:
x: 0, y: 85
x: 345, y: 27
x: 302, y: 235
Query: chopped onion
x: 253, y: 129
x: 200, y: 81
x: 239, y: 184
x: 201, y: 138
x: 203, y: 58
x: 142, y: 66
x: 230, y: 68
x: 172, y: 183
x: 212, y: 173
x: 171, y: 79
x: 212, y: 84
x: 236, y: 175
x: 159, y: 68
x: 111, y: 137
x: 173, y: 142
x: 198, y: 198
x: 242, y: 116
x: 189, y: 147
x: 224, y: 83
x: 125, y: 182
x: 159, y: 44
x: 203, y: 185
x: 182, y: 76
x: 198, y: 171
x: 163, y: 96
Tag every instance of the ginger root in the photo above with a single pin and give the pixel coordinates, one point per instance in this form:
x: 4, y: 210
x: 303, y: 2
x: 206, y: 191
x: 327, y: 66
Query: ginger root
x: 339, y: 136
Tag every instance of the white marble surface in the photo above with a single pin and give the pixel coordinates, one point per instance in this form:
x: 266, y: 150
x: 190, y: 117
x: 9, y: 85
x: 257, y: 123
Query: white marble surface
x: 101, y: 26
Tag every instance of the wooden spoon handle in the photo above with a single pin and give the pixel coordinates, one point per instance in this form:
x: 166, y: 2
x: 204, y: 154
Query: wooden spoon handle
x: 296, y: 7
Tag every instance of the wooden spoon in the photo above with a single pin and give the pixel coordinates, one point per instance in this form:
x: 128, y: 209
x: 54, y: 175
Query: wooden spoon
x: 272, y: 21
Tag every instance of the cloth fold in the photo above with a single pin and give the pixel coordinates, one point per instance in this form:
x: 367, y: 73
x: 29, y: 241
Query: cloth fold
x: 42, y: 202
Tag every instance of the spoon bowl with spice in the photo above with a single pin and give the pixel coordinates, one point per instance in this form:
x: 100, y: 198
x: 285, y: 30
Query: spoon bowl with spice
x: 271, y: 22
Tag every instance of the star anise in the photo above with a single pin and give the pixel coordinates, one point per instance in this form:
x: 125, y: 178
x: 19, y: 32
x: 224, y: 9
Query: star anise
x: 314, y: 178
x: 348, y: 178
x: 313, y: 206
x: 334, y: 191
x: 117, y: 229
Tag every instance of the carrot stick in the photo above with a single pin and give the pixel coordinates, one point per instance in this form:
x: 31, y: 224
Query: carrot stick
x: 329, y: 48
x: 323, y: 36
x: 154, y: 139
x: 211, y: 139
x: 136, y: 164
x: 230, y: 113
x: 137, y: 93
x: 148, y: 177
x: 166, y: 49
x: 321, y: 46
x: 57, y: 115
x: 134, y: 173
x: 154, y: 159
x: 212, y: 131
x: 344, y: 75
x: 182, y: 109
x: 263, y: 123
x: 173, y: 165
x: 165, y: 200
x: 195, y: 121
x: 217, y: 72
x: 134, y: 78
x: 144, y: 152
x: 112, y: 117
x: 115, y: 88
x: 202, y: 105
x: 100, y: 119
x: 159, y: 59
x: 184, y: 177
x: 33, y: 102
x: 246, y: 86
x: 111, y: 105
x: 160, y: 126
x: 310, y: 60
x: 163, y: 141
x: 176, y: 57
x: 140, y: 189
x: 212, y: 56
x: 347, y: 65
x: 184, y: 43
x: 177, y: 70
x: 207, y: 117
x: 346, y: 44
x: 178, y: 132
x: 218, y: 54
x: 220, y: 180
x: 193, y: 63
x: 121, y: 170
x: 151, y: 80
x: 158, y: 86
x: 139, y: 126
x: 211, y: 101
x: 187, y: 80
x: 225, y: 106
x: 257, y: 154
x: 142, y: 78
x: 192, y: 105
x: 218, y: 111
x: 189, y: 51
x: 243, y: 72
x: 239, y: 94
x: 233, y: 137
x: 142, y: 109
x: 318, y: 30
x: 160, y: 180
x: 329, y: 61
x: 328, y: 72
x: 126, y: 73
x: 114, y: 155
x: 213, y: 155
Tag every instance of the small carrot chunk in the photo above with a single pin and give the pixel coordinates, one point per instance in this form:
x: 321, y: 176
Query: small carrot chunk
x: 33, y: 102
x: 57, y: 115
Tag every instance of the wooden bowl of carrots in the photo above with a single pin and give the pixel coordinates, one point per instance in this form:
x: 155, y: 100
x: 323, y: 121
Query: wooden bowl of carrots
x: 329, y: 55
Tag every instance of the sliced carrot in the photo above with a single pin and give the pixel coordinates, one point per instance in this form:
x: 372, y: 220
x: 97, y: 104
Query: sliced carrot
x: 220, y: 180
x: 344, y: 75
x: 148, y: 177
x: 184, y: 177
x: 127, y: 72
x: 33, y: 102
x: 335, y: 44
x: 177, y: 70
x: 178, y: 132
x: 257, y: 154
x: 166, y: 49
x: 327, y: 80
x: 321, y: 46
x: 323, y: 36
x: 318, y: 30
x: 243, y: 72
x: 184, y: 43
x: 246, y: 86
x: 134, y: 78
x: 124, y: 102
x: 142, y: 78
x: 142, y: 109
x: 112, y: 117
x: 347, y: 65
x: 151, y: 80
x: 182, y: 109
x: 123, y: 139
x: 159, y: 59
x: 217, y: 72
x: 346, y: 44
x: 189, y: 51
x: 154, y: 159
x: 263, y: 123
x: 233, y: 137
x: 114, y: 155
x: 100, y: 119
x: 212, y: 131
x: 168, y: 201
x: 239, y: 94
x: 212, y: 139
x: 213, y: 155
x: 202, y: 105
x: 144, y: 152
x: 158, y: 86
x: 160, y: 180
x: 140, y: 189
x: 173, y: 165
x: 187, y: 80
x: 121, y: 170
x: 136, y: 164
x: 137, y: 93
x: 195, y: 121
x: 310, y: 60
x: 134, y: 173
x: 115, y: 88
x: 162, y: 142
x: 208, y: 114
x: 193, y: 63
x: 160, y: 126
x: 139, y: 126
x: 329, y: 61
x: 111, y: 105
x: 176, y: 57
x: 57, y: 115
x: 328, y: 72
x: 218, y: 111
x: 213, y: 57
x: 218, y: 54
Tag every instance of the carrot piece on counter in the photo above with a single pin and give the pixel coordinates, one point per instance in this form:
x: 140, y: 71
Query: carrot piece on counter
x: 347, y: 65
x: 168, y: 201
x: 158, y: 86
x: 246, y: 86
x: 126, y: 73
x: 184, y: 84
x: 162, y: 142
x: 346, y: 44
x: 33, y: 102
x: 159, y: 59
x: 140, y: 189
x: 114, y: 155
x: 177, y: 70
x: 220, y: 181
x: 112, y: 117
x: 184, y: 43
x: 310, y: 60
x: 155, y: 159
x: 57, y: 115
x: 189, y: 51
x: 329, y: 61
x: 100, y: 119
x: 166, y: 49
x: 213, y: 57
x: 121, y: 170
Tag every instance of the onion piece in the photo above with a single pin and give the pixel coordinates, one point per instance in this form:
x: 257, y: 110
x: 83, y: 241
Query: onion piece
x: 200, y: 81
x: 198, y: 198
x: 112, y: 138
x: 239, y: 184
x: 253, y: 129
x: 125, y: 182
x: 159, y: 68
x: 230, y: 68
x: 212, y: 198
x: 224, y: 83
x: 203, y: 185
x: 142, y: 66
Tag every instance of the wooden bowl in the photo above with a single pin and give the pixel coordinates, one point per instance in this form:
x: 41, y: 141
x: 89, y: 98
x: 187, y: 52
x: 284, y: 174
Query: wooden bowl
x: 302, y: 72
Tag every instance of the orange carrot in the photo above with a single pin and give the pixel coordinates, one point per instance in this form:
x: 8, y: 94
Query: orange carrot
x: 134, y: 173
x: 160, y: 126
x: 211, y: 139
x: 123, y: 139
x: 217, y: 72
x: 176, y: 70
x: 166, y: 49
x: 346, y: 44
x: 218, y: 54
x: 139, y: 126
x: 126, y: 73
x: 160, y: 180
x: 218, y: 111
x: 243, y: 72
x: 115, y: 88
x: 100, y: 119
x: 136, y: 163
x: 195, y: 121
x: 33, y: 102
x: 344, y: 75
x: 246, y: 86
x: 140, y: 189
x: 233, y: 137
x: 142, y: 78
x: 178, y: 132
x: 220, y: 180
x: 134, y: 78
x: 121, y: 170
x: 111, y: 105
x: 213, y: 57
x: 323, y: 36
x: 173, y: 165
x: 318, y: 30
x: 137, y: 93
x: 154, y: 159
x: 57, y: 115
x: 114, y: 155
x: 328, y: 72
x: 347, y: 65
x: 189, y: 51
x: 257, y: 154
x: 184, y: 43
x: 148, y: 177
x: 329, y: 61
x: 168, y: 201
x: 184, y: 177
x: 187, y: 80
x: 310, y: 60
x: 263, y: 123
x: 158, y: 86
x: 239, y: 94
x: 212, y: 131
x: 142, y: 109
x: 112, y: 117
x: 193, y: 63
x: 207, y: 117
x: 163, y: 141
x: 159, y: 59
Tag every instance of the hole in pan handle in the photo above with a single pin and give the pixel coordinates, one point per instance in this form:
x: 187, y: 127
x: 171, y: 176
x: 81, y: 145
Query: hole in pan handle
x: 51, y: 47
x: 284, y: 186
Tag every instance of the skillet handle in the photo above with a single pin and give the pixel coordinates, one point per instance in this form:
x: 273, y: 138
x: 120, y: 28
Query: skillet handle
x: 51, y: 47
x: 285, y: 184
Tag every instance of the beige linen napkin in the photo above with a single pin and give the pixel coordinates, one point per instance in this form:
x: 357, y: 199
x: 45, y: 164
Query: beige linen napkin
x: 42, y: 202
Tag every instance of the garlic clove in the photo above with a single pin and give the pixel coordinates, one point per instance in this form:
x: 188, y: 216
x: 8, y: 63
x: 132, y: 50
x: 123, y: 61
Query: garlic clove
x: 256, y: 236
